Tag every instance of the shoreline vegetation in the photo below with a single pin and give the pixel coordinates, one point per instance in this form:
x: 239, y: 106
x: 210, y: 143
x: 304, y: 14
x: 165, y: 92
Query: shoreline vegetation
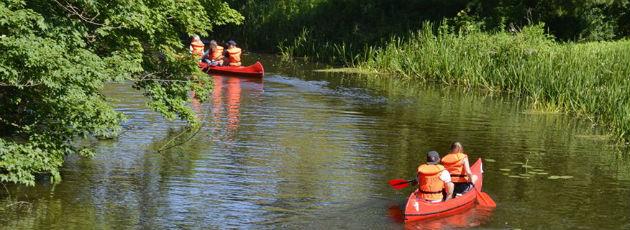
x: 564, y: 57
x: 590, y: 80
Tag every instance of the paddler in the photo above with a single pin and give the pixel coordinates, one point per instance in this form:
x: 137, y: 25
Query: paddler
x: 457, y: 164
x: 214, y: 56
x: 196, y: 47
x: 233, y: 54
x: 434, y: 179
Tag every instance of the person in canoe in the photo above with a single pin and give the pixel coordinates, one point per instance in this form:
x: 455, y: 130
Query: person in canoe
x: 233, y: 54
x: 197, y: 47
x: 434, y: 179
x: 457, y: 164
x: 214, y: 56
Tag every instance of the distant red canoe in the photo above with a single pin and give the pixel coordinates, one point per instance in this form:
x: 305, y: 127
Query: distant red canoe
x: 419, y: 209
x: 255, y: 70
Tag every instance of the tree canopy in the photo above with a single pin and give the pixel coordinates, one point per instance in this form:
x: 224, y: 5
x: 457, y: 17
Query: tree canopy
x: 373, y: 22
x: 57, y: 55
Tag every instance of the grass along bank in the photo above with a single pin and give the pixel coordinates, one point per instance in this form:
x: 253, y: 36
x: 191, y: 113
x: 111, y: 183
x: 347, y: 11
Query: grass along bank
x: 590, y: 80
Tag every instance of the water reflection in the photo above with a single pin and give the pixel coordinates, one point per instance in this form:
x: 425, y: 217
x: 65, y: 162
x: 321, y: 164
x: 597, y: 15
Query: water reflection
x: 467, y: 218
x: 474, y: 217
x: 226, y: 102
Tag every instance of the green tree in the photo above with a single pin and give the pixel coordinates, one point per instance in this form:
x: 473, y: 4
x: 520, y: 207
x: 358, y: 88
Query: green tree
x: 57, y: 55
x: 328, y: 29
x: 566, y: 19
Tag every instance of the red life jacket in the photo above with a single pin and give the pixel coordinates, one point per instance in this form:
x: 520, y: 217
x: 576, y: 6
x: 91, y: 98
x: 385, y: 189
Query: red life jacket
x: 197, y: 48
x: 453, y: 162
x: 429, y: 182
x: 234, y: 55
x: 217, y: 54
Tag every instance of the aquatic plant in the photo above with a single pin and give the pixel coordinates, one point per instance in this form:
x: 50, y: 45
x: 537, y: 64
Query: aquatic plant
x: 590, y: 80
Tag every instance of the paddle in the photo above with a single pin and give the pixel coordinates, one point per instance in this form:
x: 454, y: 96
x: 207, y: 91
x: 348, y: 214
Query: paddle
x: 399, y: 184
x: 484, y: 199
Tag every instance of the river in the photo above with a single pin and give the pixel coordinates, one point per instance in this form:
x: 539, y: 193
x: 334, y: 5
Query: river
x: 303, y: 149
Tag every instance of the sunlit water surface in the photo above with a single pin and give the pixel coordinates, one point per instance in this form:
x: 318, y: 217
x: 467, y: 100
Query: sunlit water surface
x: 311, y: 150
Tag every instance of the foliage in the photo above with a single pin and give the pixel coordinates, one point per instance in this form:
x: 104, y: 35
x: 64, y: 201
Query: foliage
x: 339, y: 31
x: 57, y: 54
x: 589, y: 80
x: 331, y: 25
x: 567, y: 20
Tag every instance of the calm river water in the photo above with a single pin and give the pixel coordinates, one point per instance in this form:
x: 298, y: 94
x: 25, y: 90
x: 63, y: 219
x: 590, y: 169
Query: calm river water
x: 302, y: 149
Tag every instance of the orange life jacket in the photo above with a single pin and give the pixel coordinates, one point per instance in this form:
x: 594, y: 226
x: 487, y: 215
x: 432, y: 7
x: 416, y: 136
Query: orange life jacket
x: 453, y: 162
x: 217, y: 54
x: 429, y: 181
x: 234, y: 55
x: 197, y: 48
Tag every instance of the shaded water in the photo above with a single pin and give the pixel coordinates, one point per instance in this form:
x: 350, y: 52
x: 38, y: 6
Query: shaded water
x: 315, y: 150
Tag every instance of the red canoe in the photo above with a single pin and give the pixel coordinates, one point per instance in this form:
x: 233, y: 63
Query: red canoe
x: 419, y: 209
x: 255, y: 70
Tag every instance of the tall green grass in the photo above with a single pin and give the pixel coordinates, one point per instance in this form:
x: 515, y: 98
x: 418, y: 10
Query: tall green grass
x: 338, y: 53
x: 590, y: 80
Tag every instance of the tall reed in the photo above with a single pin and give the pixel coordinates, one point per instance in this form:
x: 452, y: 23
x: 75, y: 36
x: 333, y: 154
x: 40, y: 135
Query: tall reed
x: 590, y: 80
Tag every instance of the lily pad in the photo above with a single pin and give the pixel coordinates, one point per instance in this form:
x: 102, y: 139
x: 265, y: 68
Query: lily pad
x: 527, y: 166
x: 524, y: 175
x: 517, y: 163
x: 542, y: 173
x: 538, y: 170
x: 490, y: 160
x: 559, y: 177
x: 505, y: 170
x: 505, y: 174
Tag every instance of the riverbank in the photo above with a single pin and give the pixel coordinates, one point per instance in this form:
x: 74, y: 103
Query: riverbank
x: 585, y: 79
x: 589, y: 80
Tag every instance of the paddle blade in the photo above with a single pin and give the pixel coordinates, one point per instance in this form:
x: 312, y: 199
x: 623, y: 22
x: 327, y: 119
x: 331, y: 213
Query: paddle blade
x: 398, y: 184
x: 485, y: 200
